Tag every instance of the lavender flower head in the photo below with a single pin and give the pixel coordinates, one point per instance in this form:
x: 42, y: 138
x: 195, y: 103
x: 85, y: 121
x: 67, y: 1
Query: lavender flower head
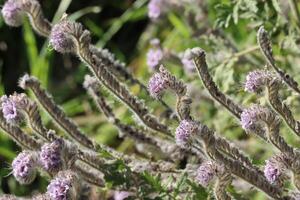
x: 249, y: 117
x: 157, y: 85
x: 59, y: 38
x: 205, y: 173
x: 185, y: 131
x: 12, y: 12
x: 51, y: 157
x: 188, y: 62
x: 275, y: 168
x: 121, y: 195
x: 256, y: 80
x: 155, y: 54
x: 25, y: 167
x: 64, y: 186
x: 155, y: 8
x: 272, y: 171
x: 9, y: 109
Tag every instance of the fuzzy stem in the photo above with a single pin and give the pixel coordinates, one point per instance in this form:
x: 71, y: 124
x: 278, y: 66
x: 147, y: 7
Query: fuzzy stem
x: 273, y: 127
x: 200, y: 62
x: 43, y: 27
x: 236, y: 167
x: 40, y: 24
x: 223, y: 181
x: 212, y: 88
x: 183, y: 101
x: 93, y: 88
x: 81, y: 38
x: 28, y: 142
x: 18, y: 135
x: 58, y: 114
x: 266, y: 48
x: 91, y: 176
x: 120, y: 71
x: 281, y: 108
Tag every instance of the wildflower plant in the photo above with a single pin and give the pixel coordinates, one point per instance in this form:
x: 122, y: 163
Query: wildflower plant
x: 193, y: 158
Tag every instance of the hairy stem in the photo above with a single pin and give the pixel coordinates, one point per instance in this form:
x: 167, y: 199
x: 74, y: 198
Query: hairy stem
x: 266, y: 48
x: 281, y: 108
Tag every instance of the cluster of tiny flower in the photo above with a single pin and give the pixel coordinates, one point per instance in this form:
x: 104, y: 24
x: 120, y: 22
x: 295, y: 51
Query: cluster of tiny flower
x: 257, y: 79
x: 27, y: 163
x: 155, y: 54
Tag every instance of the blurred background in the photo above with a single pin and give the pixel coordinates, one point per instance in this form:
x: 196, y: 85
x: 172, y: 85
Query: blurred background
x: 226, y: 29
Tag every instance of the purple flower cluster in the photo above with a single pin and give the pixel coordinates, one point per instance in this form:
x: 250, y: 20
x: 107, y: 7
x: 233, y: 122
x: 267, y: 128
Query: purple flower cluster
x: 155, y: 54
x: 51, y: 157
x: 9, y: 109
x: 155, y: 8
x: 12, y: 12
x: 157, y: 85
x: 121, y: 195
x: 256, y: 80
x: 185, y: 131
x: 206, y: 172
x: 25, y: 167
x: 63, y: 186
x: 272, y: 171
x: 59, y: 38
x: 275, y: 168
x: 249, y: 116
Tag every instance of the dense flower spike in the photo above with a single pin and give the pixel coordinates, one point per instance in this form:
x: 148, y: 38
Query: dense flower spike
x: 64, y: 186
x: 155, y: 8
x: 257, y: 79
x: 206, y: 172
x: 12, y: 12
x: 275, y: 168
x: 59, y: 39
x: 51, y: 155
x: 25, y: 167
x: 157, y: 85
x: 155, y: 54
x: 188, y: 62
x: 121, y: 195
x: 9, y: 109
x: 185, y: 132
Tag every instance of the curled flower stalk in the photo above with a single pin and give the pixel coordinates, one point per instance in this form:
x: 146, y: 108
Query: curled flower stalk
x: 185, y: 132
x: 235, y: 109
x: 81, y: 40
x: 13, y: 12
x: 235, y: 166
x: 261, y: 78
x: 17, y: 135
x: 28, y: 142
x: 93, y: 89
x: 200, y: 62
x: 260, y: 116
x: 58, y: 114
x: 266, y: 48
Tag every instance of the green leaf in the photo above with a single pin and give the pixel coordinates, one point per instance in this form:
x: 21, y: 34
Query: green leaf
x: 180, y: 26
